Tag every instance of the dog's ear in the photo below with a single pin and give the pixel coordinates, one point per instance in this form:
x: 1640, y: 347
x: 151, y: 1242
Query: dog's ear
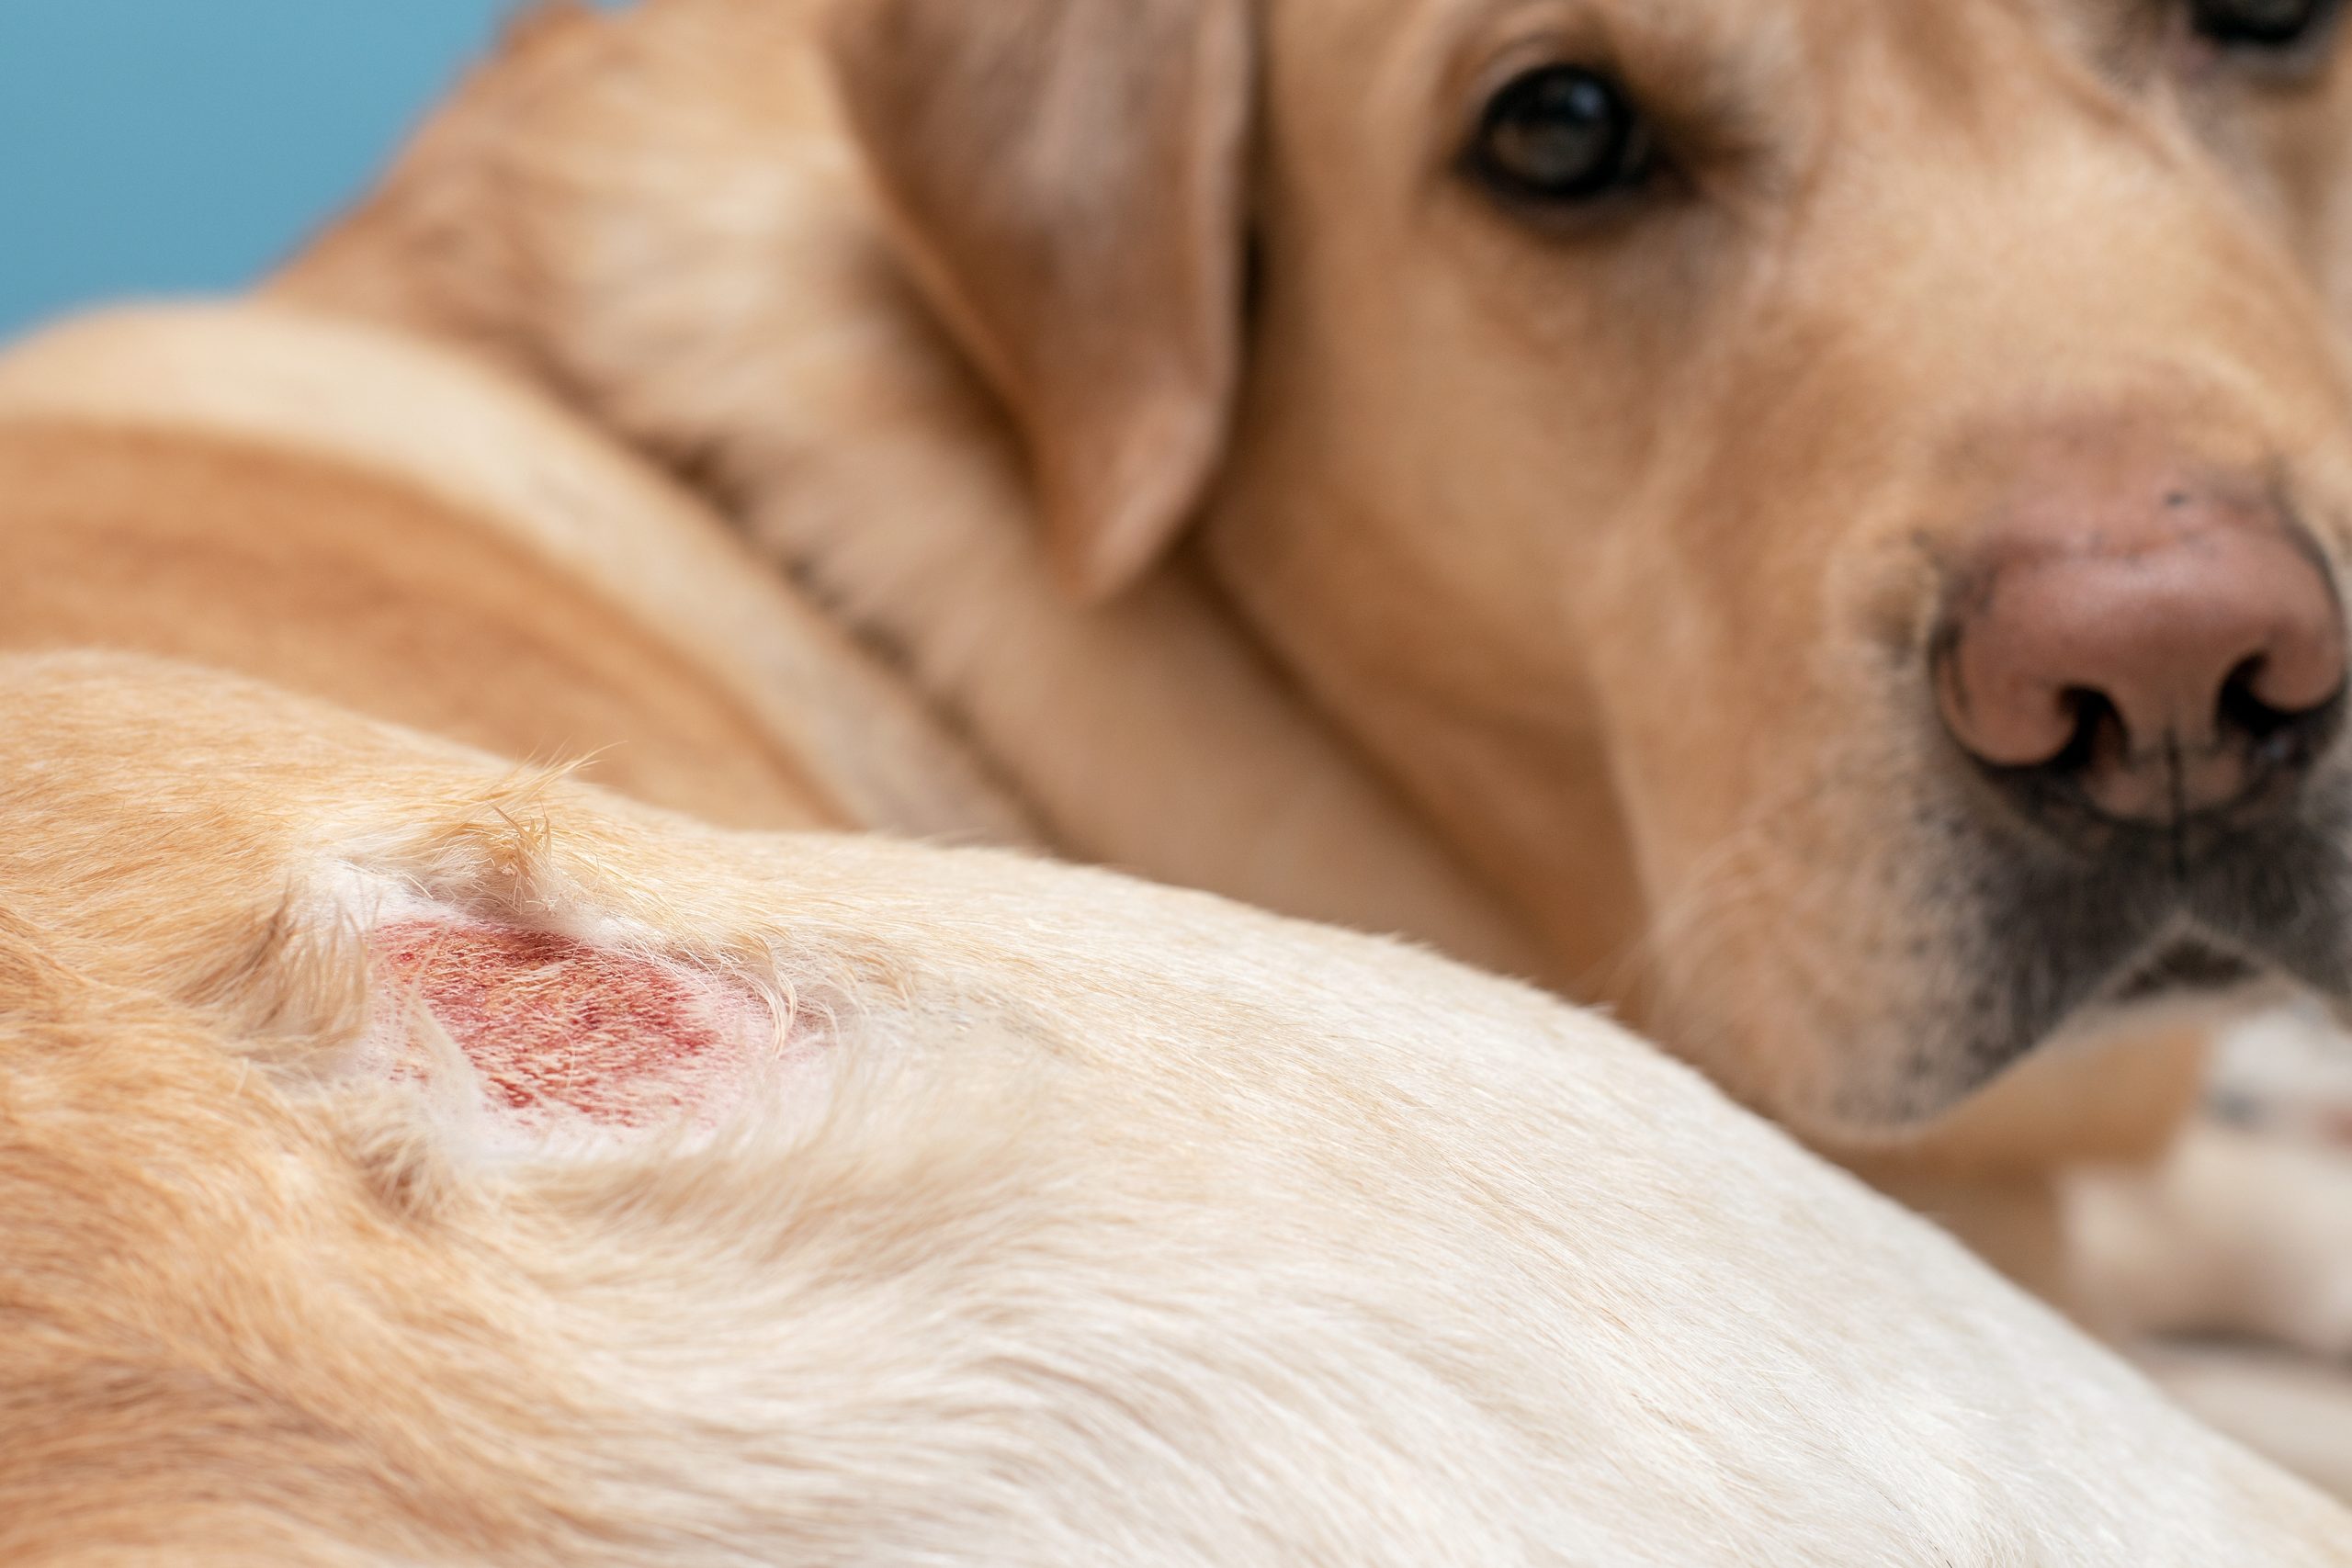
x: 1068, y: 177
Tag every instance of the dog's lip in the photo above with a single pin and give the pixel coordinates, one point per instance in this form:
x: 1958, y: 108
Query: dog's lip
x: 2183, y: 967
x: 2191, y: 978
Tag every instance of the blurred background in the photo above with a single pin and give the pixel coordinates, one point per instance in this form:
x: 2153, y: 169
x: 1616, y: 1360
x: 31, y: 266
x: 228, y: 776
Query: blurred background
x: 174, y: 146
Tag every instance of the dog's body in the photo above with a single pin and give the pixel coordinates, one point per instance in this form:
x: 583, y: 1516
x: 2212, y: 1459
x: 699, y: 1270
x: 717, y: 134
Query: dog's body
x: 823, y: 1199
x: 1613, y: 725
x: 662, y: 218
x: 380, y: 523
x: 356, y: 481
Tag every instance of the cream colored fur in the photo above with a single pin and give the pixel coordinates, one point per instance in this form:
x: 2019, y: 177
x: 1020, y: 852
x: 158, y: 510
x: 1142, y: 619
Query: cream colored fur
x: 1088, y: 1223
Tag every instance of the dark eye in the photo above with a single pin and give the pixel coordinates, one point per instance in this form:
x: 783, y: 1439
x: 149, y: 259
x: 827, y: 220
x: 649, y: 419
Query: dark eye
x: 1561, y: 134
x: 2257, y: 24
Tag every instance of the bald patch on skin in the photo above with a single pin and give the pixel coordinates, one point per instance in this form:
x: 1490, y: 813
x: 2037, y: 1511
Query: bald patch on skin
x: 558, y: 1029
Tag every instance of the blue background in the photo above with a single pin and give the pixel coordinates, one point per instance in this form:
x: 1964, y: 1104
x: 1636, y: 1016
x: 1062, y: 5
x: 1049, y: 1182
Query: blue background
x: 173, y: 146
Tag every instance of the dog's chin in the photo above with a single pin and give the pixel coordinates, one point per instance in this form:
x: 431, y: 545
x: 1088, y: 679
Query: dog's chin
x: 2029, y: 950
x: 2191, y: 980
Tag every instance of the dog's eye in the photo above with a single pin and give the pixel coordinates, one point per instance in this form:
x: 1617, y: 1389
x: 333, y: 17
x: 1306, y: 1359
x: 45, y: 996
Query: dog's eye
x: 2257, y: 24
x: 1561, y: 134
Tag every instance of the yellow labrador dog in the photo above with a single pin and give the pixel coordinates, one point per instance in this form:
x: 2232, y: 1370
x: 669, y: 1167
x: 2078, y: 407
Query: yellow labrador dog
x: 373, y: 519
x: 405, y: 1162
x: 1817, y: 522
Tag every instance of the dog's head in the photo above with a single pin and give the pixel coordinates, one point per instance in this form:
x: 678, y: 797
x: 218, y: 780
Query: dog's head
x: 1866, y: 478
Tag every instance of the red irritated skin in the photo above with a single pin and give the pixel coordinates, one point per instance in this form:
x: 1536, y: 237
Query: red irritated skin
x: 557, y: 1027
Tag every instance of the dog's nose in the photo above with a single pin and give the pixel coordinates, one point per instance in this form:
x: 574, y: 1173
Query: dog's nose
x: 2162, y: 653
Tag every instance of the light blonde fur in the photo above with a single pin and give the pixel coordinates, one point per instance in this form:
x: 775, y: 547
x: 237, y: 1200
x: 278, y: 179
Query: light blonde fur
x: 1106, y: 1223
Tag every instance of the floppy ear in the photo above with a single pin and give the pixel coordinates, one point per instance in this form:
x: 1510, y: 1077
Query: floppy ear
x: 1069, y: 177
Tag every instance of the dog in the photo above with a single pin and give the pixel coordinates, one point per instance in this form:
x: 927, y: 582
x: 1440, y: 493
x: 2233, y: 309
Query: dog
x: 1818, y: 526
x: 410, y: 1160
x: 375, y: 519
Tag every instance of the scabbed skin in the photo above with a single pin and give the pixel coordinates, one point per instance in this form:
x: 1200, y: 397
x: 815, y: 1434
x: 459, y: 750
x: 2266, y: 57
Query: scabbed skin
x: 558, y: 1027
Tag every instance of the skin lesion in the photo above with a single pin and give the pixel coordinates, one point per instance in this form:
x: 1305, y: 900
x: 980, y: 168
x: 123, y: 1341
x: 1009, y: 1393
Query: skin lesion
x: 556, y: 1026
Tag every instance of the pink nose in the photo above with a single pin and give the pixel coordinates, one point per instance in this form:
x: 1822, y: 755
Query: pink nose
x: 2152, y: 646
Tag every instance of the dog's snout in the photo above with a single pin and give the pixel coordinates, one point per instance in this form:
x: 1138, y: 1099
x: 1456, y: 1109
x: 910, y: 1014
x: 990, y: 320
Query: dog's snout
x: 2157, y: 647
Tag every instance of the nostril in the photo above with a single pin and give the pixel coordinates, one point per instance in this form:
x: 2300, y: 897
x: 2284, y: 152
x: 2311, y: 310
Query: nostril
x: 2242, y: 710
x: 2098, y: 734
x: 2275, y: 738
